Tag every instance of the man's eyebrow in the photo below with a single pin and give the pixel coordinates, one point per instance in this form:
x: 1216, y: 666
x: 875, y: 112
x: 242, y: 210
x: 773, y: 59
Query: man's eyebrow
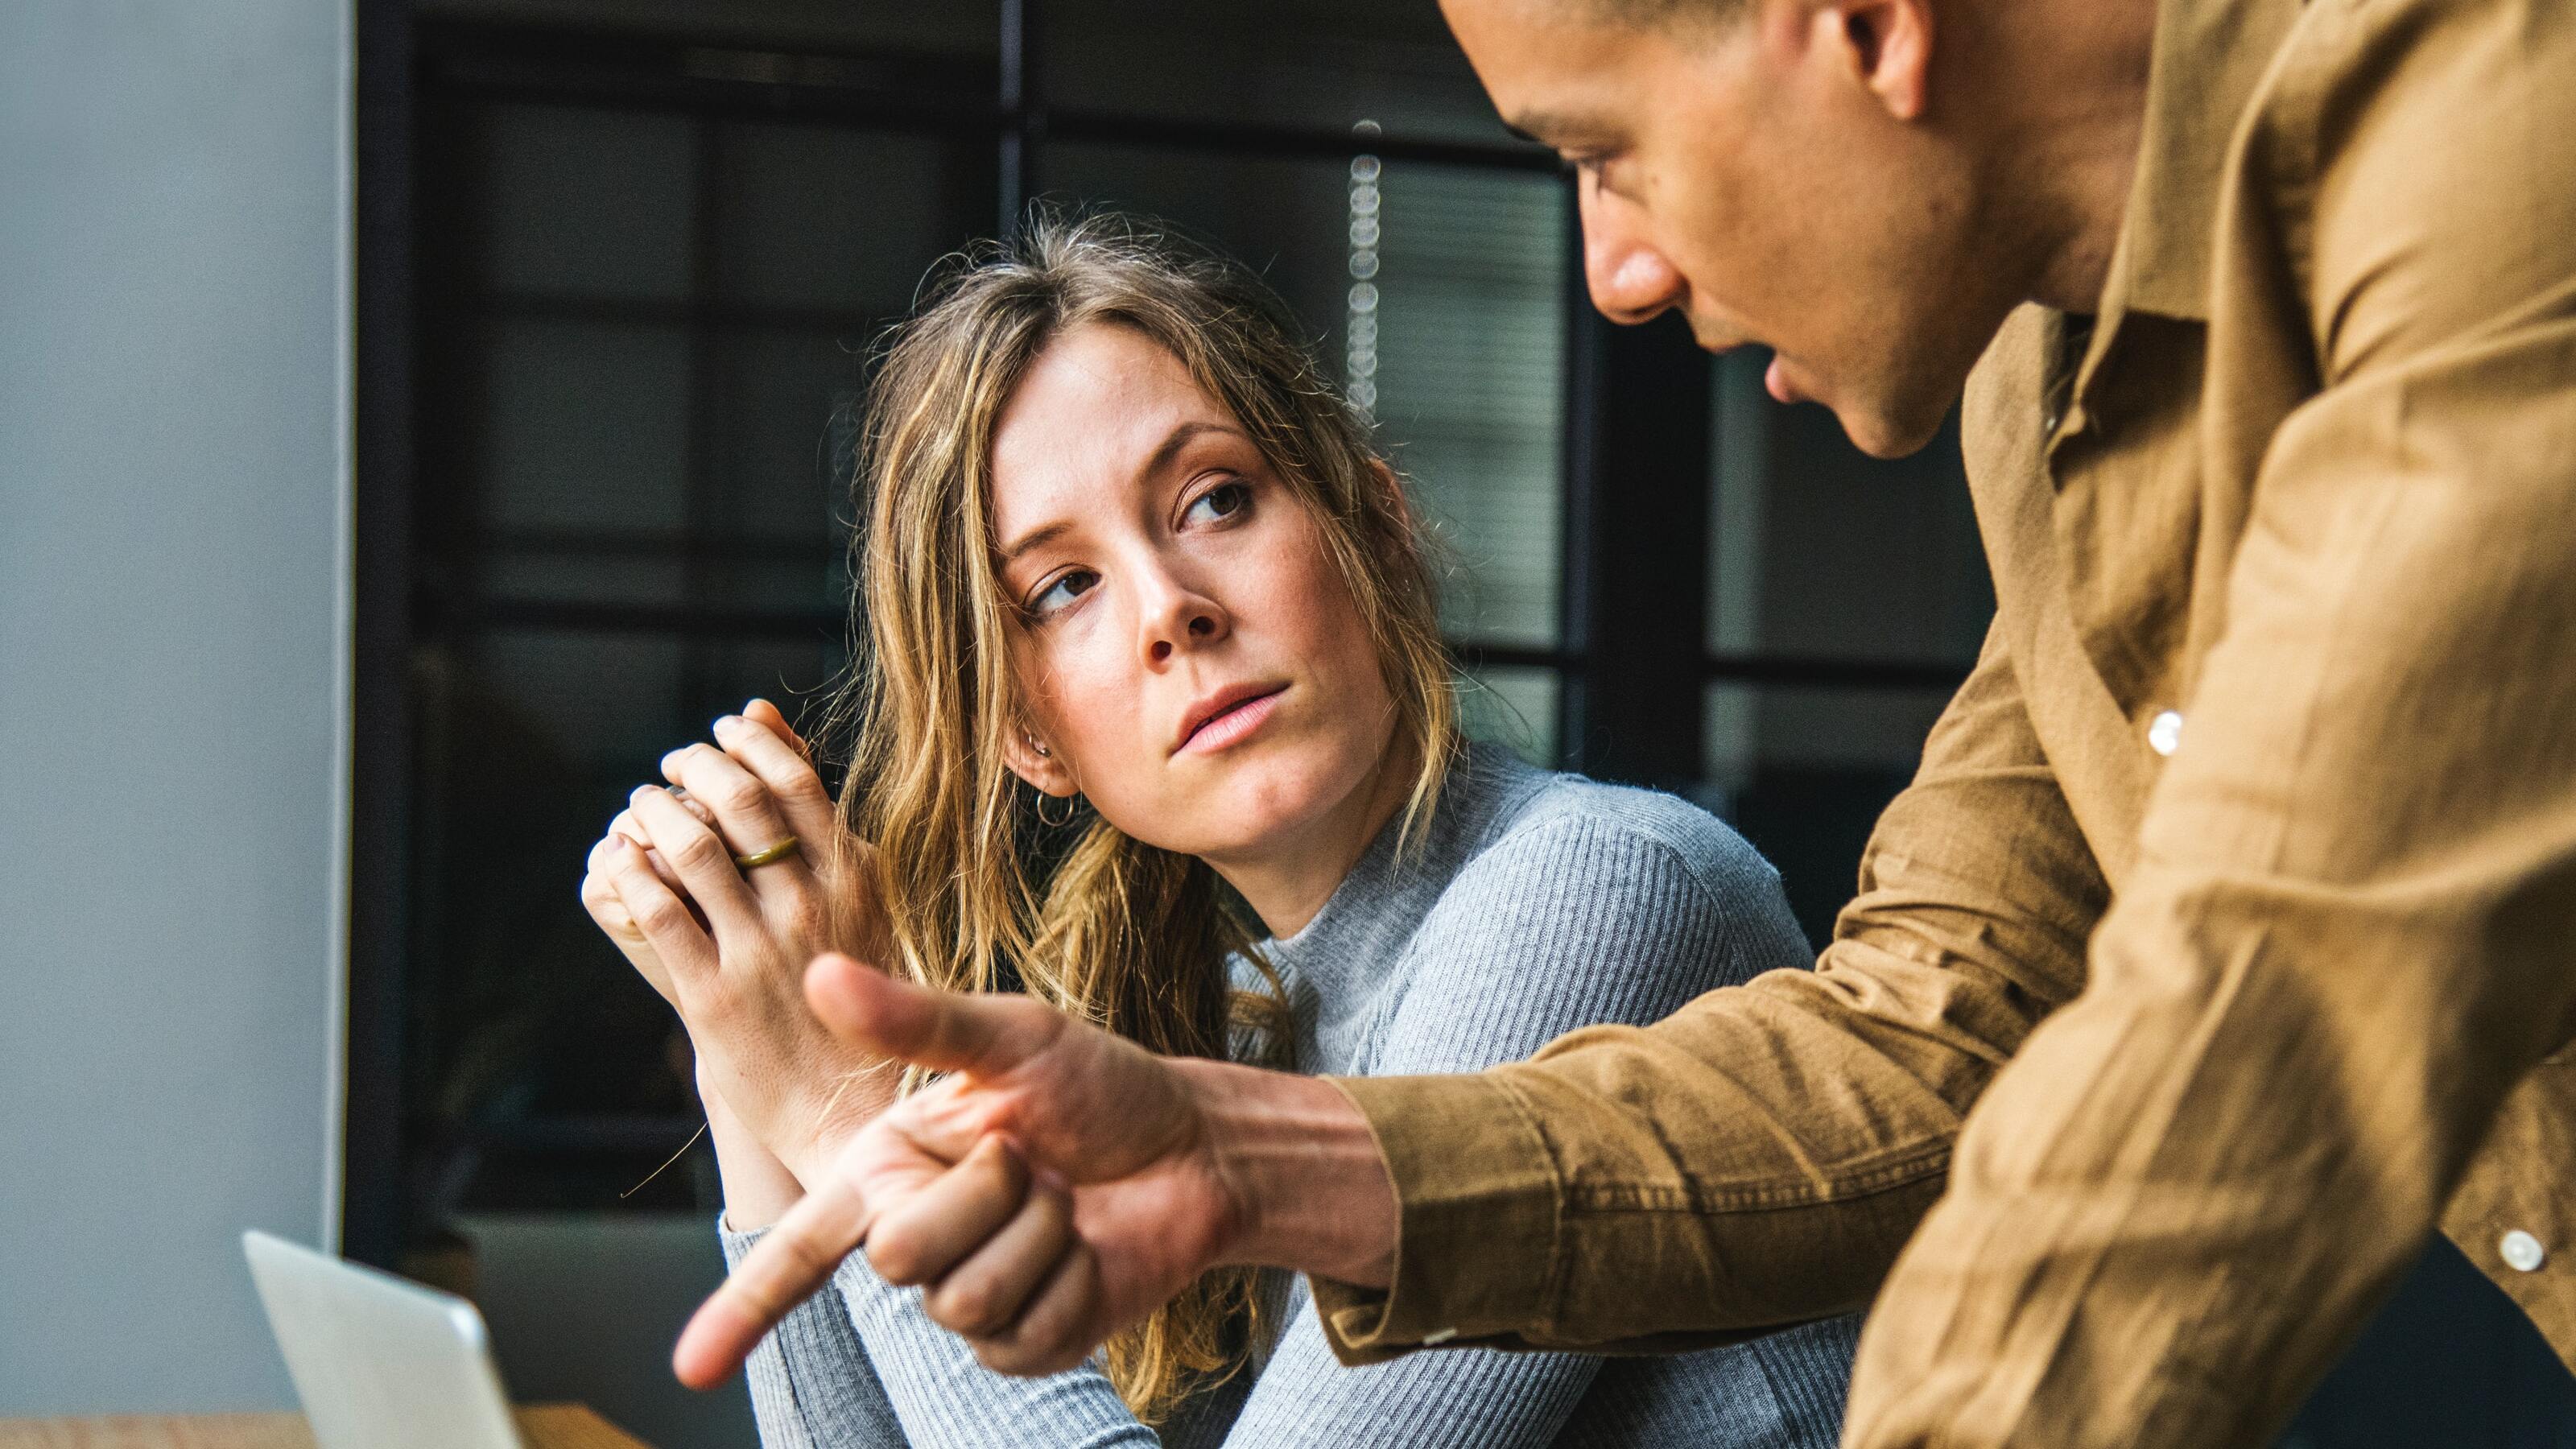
x: 1155, y: 462
x: 1552, y: 128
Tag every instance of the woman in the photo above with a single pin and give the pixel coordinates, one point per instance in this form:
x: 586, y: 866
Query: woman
x: 1155, y: 671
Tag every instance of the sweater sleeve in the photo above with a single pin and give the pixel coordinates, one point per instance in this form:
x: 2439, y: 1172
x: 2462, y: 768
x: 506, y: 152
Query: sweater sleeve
x: 943, y: 1396
x: 1581, y: 918
x: 811, y: 1384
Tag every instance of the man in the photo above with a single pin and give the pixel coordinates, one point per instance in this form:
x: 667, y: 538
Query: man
x: 2236, y: 891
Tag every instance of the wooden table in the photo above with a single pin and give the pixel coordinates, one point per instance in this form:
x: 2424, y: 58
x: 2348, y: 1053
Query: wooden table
x: 544, y: 1426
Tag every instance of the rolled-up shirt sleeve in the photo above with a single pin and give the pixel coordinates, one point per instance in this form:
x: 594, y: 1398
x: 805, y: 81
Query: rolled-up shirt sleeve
x: 1758, y: 1158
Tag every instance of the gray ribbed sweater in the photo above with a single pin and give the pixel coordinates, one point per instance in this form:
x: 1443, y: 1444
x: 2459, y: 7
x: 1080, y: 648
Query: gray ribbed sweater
x: 1537, y: 903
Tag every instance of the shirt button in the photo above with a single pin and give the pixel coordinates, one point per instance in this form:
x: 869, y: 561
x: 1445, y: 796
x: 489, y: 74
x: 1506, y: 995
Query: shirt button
x: 2164, y: 732
x: 2522, y: 1252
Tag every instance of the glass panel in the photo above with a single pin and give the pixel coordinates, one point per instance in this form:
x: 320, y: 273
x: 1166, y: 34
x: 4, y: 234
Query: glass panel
x: 1816, y: 550
x: 577, y: 202
x: 784, y: 416
x: 1804, y: 772
x: 795, y: 675
x: 529, y: 744
x: 783, y: 412
x: 1515, y: 708
x: 929, y: 31
x: 612, y: 703
x: 1752, y: 728
x: 617, y: 702
x: 584, y: 426
x: 822, y: 219
x: 648, y: 571
x: 1306, y: 63
x: 1286, y: 219
x: 1469, y: 328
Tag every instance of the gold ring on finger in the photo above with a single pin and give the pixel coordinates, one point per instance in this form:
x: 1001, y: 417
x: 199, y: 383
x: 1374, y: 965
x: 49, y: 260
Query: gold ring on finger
x: 770, y: 855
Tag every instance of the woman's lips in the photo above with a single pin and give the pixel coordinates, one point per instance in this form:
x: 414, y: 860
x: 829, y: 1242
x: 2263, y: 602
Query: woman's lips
x: 1232, y: 724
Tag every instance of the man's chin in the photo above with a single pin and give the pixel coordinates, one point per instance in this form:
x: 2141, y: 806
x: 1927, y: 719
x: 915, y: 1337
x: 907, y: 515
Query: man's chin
x: 1874, y: 437
x: 1892, y: 428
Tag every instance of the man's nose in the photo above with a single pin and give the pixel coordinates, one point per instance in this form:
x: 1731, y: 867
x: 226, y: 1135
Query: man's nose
x: 1631, y: 282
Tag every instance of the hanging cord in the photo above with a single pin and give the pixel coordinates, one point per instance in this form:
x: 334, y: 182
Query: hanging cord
x: 666, y: 1164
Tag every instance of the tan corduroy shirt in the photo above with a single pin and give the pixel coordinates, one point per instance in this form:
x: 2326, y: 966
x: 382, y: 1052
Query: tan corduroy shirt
x: 2237, y: 891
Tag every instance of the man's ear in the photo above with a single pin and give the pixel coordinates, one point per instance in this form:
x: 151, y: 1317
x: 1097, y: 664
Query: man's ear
x: 1043, y: 769
x: 1887, y: 47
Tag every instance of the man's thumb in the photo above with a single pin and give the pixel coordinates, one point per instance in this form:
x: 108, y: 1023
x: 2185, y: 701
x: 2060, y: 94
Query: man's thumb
x: 944, y: 1031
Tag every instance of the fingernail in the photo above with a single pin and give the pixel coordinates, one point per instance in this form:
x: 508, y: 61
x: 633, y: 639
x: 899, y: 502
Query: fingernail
x: 726, y: 724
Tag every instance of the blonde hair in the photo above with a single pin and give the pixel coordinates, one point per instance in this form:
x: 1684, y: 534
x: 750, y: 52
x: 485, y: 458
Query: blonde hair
x: 1117, y: 932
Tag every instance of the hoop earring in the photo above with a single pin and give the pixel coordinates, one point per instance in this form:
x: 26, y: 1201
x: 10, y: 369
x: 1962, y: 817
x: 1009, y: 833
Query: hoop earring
x: 1070, y: 811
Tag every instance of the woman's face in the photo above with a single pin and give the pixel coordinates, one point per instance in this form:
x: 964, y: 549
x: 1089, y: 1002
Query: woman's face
x: 1190, y: 657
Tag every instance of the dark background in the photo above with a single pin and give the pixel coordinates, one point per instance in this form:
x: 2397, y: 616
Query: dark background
x: 620, y: 265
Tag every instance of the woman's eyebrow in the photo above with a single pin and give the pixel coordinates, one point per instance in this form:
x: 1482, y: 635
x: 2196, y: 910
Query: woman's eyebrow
x: 1045, y: 533
x: 1178, y: 438
x: 1155, y: 462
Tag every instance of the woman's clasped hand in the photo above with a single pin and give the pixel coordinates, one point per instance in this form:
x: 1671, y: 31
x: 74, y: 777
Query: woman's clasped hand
x: 727, y: 945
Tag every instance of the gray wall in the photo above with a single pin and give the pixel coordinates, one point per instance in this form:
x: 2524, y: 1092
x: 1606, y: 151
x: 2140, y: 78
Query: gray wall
x: 173, y: 506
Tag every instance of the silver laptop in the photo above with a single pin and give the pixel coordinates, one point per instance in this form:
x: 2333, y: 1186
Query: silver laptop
x: 380, y: 1363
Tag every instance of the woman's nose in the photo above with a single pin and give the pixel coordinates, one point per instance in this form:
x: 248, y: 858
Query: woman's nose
x: 1630, y: 280
x: 1179, y: 619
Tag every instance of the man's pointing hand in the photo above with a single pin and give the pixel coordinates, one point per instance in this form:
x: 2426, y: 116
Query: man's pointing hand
x: 1057, y: 1185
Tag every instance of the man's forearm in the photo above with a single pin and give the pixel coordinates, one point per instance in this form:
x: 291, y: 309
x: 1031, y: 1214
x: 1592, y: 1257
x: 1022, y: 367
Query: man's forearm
x: 1297, y: 1160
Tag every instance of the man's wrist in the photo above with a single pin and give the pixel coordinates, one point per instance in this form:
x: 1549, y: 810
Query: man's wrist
x: 1309, y: 1190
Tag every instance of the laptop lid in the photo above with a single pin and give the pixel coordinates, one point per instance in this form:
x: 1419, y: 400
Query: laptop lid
x: 379, y: 1363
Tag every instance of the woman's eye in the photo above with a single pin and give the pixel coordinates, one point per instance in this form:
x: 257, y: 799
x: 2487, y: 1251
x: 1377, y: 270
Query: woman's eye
x: 1060, y: 595
x: 1217, y: 504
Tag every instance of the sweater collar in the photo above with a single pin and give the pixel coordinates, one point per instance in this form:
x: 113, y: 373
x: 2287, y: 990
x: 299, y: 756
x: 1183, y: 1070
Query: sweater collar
x: 1365, y: 923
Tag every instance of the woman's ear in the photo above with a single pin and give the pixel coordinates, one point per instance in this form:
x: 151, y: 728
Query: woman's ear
x: 1036, y: 762
x: 1408, y: 540
x: 1397, y: 500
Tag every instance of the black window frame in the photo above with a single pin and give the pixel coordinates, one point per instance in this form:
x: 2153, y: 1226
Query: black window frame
x: 1632, y: 659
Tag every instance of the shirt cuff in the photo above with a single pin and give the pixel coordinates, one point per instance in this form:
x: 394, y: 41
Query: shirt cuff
x: 1479, y: 1207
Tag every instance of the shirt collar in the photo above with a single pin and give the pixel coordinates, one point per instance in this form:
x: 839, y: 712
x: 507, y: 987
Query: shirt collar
x: 2209, y: 57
